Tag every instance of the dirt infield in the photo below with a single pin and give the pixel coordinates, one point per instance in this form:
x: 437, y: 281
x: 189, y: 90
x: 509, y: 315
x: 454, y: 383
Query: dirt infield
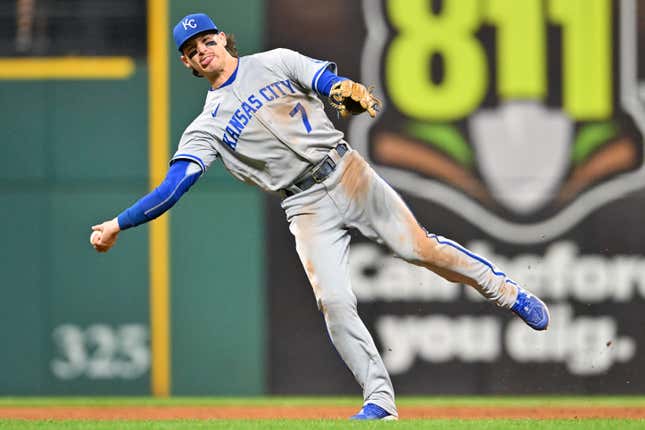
x: 307, y: 412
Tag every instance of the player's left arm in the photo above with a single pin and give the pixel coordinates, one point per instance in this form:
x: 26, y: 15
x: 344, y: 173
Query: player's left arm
x: 347, y: 96
x: 328, y: 78
x: 181, y: 175
x: 353, y: 98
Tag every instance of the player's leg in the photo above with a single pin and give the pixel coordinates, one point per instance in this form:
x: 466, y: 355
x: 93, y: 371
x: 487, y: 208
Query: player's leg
x: 322, y: 244
x: 381, y: 211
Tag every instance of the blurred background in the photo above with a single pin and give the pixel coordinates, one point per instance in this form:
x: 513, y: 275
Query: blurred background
x: 512, y: 127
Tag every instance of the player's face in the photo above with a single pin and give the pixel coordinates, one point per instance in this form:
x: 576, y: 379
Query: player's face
x: 206, y: 53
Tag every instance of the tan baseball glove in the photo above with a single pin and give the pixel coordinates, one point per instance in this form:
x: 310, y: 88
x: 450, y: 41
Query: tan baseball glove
x: 352, y: 98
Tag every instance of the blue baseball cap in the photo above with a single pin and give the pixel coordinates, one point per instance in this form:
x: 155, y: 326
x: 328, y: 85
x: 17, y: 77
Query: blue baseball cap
x: 192, y: 25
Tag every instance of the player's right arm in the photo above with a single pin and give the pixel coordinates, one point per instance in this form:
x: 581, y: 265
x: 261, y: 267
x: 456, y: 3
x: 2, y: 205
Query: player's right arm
x: 181, y: 175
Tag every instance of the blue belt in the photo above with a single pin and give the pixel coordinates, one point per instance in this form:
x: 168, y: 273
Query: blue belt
x: 318, y: 173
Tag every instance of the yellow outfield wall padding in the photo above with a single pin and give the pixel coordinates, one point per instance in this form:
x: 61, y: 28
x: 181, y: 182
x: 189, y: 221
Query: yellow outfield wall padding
x: 158, y: 131
x: 46, y: 68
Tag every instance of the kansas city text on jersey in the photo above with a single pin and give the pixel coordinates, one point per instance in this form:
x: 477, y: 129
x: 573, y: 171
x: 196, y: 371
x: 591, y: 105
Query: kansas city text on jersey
x: 253, y: 103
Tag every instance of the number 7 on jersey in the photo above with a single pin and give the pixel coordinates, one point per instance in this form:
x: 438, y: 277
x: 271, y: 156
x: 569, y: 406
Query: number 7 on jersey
x: 300, y: 108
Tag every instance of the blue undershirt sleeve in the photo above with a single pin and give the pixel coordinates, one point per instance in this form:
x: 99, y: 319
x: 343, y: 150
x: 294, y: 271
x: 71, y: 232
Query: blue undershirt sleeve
x: 180, y: 177
x: 326, y: 81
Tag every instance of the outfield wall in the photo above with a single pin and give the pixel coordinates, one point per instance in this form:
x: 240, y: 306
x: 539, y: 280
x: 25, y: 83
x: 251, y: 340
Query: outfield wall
x: 74, y: 153
x: 76, y: 322
x: 513, y: 128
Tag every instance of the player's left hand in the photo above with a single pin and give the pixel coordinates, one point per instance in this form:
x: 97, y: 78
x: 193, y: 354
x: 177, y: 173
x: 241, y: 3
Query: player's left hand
x: 104, y: 235
x: 352, y: 98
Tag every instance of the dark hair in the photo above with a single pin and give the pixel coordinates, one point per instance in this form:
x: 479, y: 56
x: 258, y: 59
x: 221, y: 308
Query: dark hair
x: 230, y: 48
x: 230, y: 45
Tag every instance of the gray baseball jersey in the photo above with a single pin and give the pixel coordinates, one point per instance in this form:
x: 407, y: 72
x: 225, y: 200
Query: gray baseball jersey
x: 268, y: 125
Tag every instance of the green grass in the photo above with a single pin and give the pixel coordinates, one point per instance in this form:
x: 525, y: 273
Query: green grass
x: 488, y: 424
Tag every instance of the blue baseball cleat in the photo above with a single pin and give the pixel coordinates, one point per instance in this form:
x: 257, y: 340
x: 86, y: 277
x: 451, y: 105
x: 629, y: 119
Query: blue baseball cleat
x: 374, y: 412
x: 531, y: 309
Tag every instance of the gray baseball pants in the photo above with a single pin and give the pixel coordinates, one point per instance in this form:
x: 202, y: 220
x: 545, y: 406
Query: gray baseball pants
x: 354, y: 195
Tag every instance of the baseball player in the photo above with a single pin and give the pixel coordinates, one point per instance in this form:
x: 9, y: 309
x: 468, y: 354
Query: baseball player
x: 264, y: 119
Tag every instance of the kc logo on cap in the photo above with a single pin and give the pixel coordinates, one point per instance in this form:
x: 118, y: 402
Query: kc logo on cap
x: 189, y: 23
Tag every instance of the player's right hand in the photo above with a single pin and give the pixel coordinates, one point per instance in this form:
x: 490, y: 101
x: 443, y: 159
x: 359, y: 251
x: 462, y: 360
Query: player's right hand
x: 108, y: 233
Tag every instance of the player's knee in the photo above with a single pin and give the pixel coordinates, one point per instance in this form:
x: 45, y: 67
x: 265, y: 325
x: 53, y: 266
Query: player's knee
x: 422, y: 251
x: 408, y: 254
x: 407, y: 248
